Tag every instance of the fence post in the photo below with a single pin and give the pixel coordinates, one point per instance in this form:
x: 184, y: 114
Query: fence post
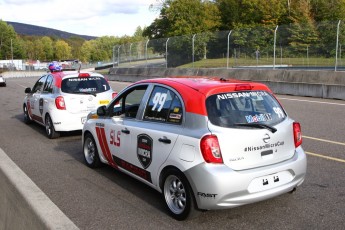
x: 146, y: 51
x: 130, y: 53
x: 114, y: 56
x: 118, y: 56
x: 166, y: 53
x: 336, y: 47
x: 274, y: 48
x: 193, y: 49
x: 228, y: 51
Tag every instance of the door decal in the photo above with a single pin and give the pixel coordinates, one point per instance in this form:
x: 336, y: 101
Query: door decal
x: 144, y: 150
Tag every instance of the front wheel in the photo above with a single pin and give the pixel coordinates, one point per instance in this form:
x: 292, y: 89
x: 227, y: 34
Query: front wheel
x: 90, y: 152
x: 178, y: 195
x: 27, y: 118
x: 50, y: 130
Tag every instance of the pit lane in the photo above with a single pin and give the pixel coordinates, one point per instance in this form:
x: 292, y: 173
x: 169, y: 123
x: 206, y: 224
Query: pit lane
x: 107, y: 199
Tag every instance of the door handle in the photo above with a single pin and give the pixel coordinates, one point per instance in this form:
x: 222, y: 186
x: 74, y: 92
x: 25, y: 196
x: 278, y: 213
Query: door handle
x: 165, y: 140
x: 126, y: 131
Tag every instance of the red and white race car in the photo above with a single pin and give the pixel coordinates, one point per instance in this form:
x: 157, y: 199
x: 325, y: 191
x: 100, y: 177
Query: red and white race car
x: 60, y: 100
x: 204, y: 143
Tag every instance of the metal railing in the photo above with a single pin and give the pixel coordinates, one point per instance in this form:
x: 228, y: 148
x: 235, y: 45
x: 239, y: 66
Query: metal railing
x: 300, y: 46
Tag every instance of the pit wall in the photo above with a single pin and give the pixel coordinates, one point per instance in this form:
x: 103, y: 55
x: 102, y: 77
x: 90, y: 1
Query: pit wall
x: 23, y: 205
x: 321, y: 84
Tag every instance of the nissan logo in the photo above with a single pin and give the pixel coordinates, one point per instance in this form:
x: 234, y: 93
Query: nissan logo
x: 266, y: 138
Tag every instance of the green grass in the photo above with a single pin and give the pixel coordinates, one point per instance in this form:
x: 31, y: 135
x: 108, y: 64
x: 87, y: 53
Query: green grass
x: 222, y: 62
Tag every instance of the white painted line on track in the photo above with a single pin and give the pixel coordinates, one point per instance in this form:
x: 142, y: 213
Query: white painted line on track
x: 323, y: 140
x: 22, y: 85
x: 326, y: 157
x: 320, y: 102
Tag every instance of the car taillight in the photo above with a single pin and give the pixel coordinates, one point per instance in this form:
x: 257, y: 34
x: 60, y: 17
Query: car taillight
x: 114, y: 95
x: 297, y: 134
x: 210, y: 149
x: 60, y: 103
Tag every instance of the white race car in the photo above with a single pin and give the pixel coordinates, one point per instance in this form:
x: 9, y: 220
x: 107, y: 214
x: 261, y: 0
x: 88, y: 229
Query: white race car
x: 204, y: 143
x: 2, y: 81
x: 60, y: 101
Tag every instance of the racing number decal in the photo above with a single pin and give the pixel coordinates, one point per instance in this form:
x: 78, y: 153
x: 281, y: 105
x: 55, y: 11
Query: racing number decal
x: 115, y: 138
x: 159, y: 100
x: 279, y: 112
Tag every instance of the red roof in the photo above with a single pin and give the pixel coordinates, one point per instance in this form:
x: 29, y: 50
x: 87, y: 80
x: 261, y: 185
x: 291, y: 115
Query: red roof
x: 195, y: 90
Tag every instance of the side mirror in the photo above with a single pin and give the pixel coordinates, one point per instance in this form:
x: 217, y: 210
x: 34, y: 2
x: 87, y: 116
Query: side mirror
x: 102, y: 110
x: 28, y: 90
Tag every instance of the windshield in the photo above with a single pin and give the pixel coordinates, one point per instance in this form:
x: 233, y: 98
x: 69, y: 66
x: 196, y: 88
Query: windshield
x: 251, y: 107
x: 84, y: 85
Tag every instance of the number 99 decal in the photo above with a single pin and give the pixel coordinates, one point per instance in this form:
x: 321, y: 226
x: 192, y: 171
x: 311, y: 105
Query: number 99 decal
x: 159, y: 100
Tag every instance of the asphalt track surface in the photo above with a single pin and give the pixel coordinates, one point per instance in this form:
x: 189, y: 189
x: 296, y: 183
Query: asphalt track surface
x: 107, y: 199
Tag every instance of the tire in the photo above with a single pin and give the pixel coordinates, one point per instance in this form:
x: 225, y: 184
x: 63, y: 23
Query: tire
x: 27, y: 118
x: 90, y: 151
x: 50, y: 130
x: 178, y: 195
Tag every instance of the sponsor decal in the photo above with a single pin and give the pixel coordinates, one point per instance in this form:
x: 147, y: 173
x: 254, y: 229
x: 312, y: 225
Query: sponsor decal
x: 133, y: 169
x: 263, y: 147
x: 176, y: 109
x: 259, y: 118
x: 175, y: 116
x: 206, y: 195
x: 242, y: 94
x: 144, y: 150
x: 100, y: 125
x: 87, y: 90
x: 84, y: 79
x: 103, y: 102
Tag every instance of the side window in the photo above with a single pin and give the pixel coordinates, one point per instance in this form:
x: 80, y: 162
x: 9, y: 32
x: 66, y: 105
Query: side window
x: 127, y: 105
x: 38, y: 87
x: 48, y: 87
x: 164, y: 106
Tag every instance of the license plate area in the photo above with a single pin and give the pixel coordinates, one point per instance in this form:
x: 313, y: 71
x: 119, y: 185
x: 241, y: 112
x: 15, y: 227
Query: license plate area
x: 270, y: 181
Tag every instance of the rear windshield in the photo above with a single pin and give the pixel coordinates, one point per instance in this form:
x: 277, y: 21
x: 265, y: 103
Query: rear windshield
x: 230, y: 109
x: 84, y: 84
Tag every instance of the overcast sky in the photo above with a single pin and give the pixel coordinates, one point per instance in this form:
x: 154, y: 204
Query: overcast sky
x: 83, y: 17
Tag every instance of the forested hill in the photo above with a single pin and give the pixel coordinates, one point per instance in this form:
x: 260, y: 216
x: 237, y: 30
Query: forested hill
x: 26, y: 29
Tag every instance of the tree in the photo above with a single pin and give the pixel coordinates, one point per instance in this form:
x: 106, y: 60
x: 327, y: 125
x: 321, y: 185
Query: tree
x: 62, y: 50
x: 8, y: 42
x: 48, y: 49
x: 184, y: 17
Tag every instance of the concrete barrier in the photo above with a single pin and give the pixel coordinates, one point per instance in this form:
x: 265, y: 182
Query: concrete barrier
x: 322, y: 84
x: 14, y: 74
x: 23, y: 205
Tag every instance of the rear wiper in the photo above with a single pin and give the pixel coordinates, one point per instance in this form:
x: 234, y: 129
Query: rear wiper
x: 79, y: 92
x: 257, y: 125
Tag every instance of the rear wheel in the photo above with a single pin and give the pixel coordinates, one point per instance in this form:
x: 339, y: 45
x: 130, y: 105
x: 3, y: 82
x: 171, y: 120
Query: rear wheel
x: 50, y: 130
x: 27, y: 118
x: 90, y: 152
x: 178, y: 195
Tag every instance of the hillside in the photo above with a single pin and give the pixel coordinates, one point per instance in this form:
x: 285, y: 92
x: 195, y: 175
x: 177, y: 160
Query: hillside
x: 26, y: 29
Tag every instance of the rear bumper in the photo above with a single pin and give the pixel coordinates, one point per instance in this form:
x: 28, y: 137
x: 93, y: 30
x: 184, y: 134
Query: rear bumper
x: 219, y: 187
x: 65, y: 121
